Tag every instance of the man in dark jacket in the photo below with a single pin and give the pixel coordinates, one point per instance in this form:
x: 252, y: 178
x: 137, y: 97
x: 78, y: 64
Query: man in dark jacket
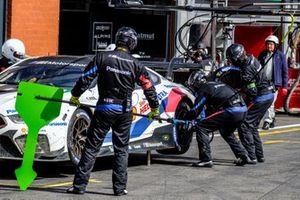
x: 276, y: 69
x: 117, y: 73
x: 220, y: 108
x: 259, y: 96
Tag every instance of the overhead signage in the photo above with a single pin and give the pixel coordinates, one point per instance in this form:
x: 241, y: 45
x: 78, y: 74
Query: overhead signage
x: 102, y: 35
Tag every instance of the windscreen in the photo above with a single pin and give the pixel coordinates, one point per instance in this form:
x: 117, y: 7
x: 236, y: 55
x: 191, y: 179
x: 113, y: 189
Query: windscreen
x: 56, y: 74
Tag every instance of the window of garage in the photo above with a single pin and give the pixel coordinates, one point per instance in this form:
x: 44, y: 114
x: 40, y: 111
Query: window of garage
x: 87, y: 26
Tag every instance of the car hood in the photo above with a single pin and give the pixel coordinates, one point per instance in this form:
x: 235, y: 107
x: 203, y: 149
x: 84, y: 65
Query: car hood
x: 8, y: 88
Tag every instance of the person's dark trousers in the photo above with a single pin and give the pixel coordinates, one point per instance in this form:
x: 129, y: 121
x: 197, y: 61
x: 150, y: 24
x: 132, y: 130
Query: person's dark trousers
x: 227, y: 133
x: 202, y: 137
x: 248, y: 132
x: 226, y: 123
x: 100, y: 125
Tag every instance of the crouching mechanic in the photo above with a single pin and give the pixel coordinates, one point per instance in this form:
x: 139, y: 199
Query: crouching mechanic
x: 117, y: 73
x: 259, y: 97
x: 224, y: 109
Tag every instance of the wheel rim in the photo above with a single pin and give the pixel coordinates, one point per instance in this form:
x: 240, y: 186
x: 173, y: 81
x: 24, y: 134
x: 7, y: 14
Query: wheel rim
x: 79, y: 134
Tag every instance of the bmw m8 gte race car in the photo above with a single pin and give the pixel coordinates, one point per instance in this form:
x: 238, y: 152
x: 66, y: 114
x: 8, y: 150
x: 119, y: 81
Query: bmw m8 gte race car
x: 64, y: 137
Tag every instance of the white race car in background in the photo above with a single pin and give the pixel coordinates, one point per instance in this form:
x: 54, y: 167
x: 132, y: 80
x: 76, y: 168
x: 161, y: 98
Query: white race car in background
x: 64, y: 137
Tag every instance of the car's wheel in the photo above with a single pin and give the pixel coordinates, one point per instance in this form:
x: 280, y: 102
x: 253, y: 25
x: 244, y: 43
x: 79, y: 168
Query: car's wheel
x: 77, y: 133
x: 184, y: 137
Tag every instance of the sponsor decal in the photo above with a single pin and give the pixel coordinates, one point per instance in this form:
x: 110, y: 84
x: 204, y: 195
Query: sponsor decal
x: 102, y: 35
x: 161, y: 95
x: 45, y: 62
x: 144, y: 108
x: 10, y: 111
x: 148, y: 145
x: 169, y: 86
x: 146, y: 36
x: 117, y: 71
x: 119, y: 58
x: 91, y: 98
x: 58, y: 124
x: 23, y: 131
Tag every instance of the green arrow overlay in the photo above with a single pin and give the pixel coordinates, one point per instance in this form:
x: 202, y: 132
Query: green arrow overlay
x: 36, y: 114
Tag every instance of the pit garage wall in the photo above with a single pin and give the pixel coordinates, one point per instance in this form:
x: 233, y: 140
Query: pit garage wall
x: 36, y: 23
x: 2, y: 21
x: 252, y: 37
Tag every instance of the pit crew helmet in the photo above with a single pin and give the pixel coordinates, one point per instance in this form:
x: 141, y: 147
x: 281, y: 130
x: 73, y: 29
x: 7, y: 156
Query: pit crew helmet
x: 236, y: 54
x: 127, y: 37
x: 195, y: 80
x: 13, y: 49
x: 272, y: 38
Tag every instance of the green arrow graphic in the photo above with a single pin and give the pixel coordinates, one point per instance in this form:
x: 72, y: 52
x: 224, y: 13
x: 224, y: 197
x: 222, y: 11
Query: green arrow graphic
x: 36, y: 114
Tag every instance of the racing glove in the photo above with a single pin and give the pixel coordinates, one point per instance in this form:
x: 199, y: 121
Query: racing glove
x: 154, y: 113
x: 75, y: 100
x: 189, y: 125
x: 32, y: 80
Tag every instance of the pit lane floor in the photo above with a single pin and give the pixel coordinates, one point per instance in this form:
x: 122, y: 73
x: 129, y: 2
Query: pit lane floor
x: 172, y: 177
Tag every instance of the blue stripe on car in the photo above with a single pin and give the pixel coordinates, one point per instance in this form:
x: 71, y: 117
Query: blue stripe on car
x: 138, y: 127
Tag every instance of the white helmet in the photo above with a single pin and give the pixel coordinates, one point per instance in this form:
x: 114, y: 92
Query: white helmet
x: 272, y: 38
x: 110, y: 47
x: 13, y: 49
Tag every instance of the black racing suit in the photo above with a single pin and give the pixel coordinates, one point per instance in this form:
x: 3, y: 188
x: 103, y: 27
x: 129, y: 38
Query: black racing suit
x: 259, y: 97
x: 219, y: 108
x: 117, y: 73
x: 5, y: 63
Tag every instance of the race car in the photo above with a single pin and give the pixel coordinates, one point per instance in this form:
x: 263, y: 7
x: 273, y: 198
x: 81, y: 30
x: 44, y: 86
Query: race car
x: 64, y: 137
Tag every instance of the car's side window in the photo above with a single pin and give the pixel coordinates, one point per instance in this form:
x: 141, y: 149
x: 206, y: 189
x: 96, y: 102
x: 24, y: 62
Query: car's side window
x: 154, y: 78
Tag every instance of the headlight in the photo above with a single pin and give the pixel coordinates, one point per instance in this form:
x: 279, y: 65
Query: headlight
x: 16, y: 119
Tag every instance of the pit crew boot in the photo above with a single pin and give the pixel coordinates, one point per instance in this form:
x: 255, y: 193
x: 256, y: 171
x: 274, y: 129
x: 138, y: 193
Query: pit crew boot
x: 74, y: 190
x: 208, y: 164
x: 266, y: 126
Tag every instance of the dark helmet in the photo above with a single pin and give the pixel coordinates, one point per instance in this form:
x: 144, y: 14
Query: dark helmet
x: 199, y: 52
x: 236, y: 54
x: 196, y: 79
x: 199, y: 45
x: 127, y: 37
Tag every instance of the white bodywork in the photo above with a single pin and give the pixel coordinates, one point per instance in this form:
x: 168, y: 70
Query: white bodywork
x: 52, y: 143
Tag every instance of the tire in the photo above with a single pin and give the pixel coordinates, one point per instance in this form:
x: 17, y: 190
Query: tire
x: 77, y: 133
x: 184, y: 137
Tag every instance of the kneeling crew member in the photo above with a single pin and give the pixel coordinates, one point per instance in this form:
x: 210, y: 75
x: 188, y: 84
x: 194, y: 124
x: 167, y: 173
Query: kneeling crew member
x: 224, y: 109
